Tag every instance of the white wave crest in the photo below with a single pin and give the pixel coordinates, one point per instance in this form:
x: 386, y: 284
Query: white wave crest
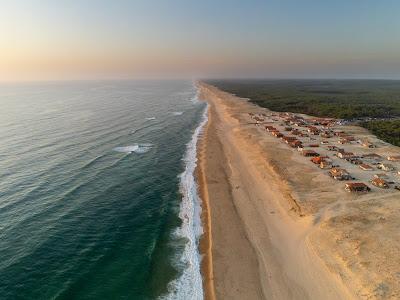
x: 150, y: 118
x: 189, y: 285
x: 136, y: 148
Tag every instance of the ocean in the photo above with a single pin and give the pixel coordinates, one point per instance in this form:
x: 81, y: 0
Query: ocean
x: 97, y: 194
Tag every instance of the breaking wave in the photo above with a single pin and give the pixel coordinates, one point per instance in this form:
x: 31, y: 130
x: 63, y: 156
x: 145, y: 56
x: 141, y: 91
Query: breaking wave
x: 136, y: 148
x: 189, y: 284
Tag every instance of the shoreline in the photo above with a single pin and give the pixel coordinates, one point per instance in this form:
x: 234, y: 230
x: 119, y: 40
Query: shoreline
x: 206, y: 239
x: 268, y: 235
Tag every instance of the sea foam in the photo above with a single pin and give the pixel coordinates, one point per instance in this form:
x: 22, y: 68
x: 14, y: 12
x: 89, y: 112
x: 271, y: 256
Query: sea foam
x: 189, y: 285
x: 136, y: 148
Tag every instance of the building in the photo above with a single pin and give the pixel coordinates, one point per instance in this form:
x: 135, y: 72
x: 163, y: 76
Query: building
x: 366, y: 167
x: 295, y: 144
x: 313, y: 130
x: 289, y: 139
x: 367, y: 144
x: 344, y: 155
x: 379, y: 182
x: 326, y: 134
x: 277, y: 134
x: 372, y: 156
x: 386, y: 167
x: 309, y: 153
x: 381, y: 175
x: 394, y: 158
x: 332, y: 148
x: 318, y: 159
x: 346, y: 140
x: 355, y: 161
x: 296, y: 132
x: 357, y: 187
x: 339, y: 174
x: 339, y: 133
x: 325, y: 164
x: 270, y: 128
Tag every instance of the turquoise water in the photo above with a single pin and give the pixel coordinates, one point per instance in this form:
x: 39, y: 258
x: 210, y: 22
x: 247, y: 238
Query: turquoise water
x: 91, y: 203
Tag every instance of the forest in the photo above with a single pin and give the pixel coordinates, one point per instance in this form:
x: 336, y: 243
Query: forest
x: 372, y: 102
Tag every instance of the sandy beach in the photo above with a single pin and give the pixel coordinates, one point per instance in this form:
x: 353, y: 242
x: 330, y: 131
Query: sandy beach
x: 278, y: 228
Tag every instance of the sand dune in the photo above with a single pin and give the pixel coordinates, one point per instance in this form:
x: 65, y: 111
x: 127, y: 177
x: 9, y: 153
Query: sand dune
x: 271, y: 235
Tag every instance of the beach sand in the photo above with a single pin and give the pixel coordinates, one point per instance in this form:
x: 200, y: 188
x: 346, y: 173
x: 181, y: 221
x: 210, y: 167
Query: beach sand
x: 275, y: 228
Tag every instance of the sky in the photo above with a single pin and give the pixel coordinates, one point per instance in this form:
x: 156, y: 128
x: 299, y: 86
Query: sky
x: 94, y: 39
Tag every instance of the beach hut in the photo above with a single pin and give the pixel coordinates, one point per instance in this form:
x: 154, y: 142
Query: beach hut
x: 394, y: 158
x: 309, y: 153
x: 344, y: 155
x: 357, y: 187
x: 366, y: 167
x: 339, y: 174
x: 325, y: 164
x: 379, y: 182
x: 385, y: 167
x: 295, y: 144
x: 332, y: 148
x: 372, y: 156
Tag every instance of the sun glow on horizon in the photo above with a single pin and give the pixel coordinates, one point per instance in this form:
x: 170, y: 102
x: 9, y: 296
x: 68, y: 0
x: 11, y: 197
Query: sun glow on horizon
x: 98, y: 39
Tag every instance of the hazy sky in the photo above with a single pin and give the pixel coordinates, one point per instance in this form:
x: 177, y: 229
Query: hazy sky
x: 44, y: 39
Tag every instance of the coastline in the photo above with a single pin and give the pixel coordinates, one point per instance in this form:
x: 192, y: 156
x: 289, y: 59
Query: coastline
x: 276, y: 229
x: 246, y: 261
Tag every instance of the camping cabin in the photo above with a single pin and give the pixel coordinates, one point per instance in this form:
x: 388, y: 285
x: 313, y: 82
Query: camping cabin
x: 326, y: 134
x: 344, y: 155
x: 379, y: 182
x: 346, y: 140
x: 366, y: 167
x: 355, y: 160
x: 318, y: 159
x: 289, y: 139
x: 381, y: 175
x: 270, y: 128
x: 357, y: 187
x: 325, y: 164
x: 332, y: 148
x: 339, y: 133
x: 394, y: 158
x: 386, y: 167
x: 296, y: 132
x: 295, y: 144
x: 339, y: 174
x: 277, y: 134
x: 313, y: 130
x: 309, y: 153
x: 367, y: 144
x: 372, y: 156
